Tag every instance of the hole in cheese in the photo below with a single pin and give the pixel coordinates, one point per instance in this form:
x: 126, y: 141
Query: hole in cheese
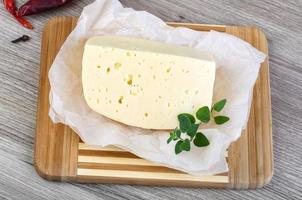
x: 108, y: 70
x: 130, y: 77
x: 121, y: 100
x: 117, y: 66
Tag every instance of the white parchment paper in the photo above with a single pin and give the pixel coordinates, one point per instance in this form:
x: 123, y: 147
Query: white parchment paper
x: 238, y: 68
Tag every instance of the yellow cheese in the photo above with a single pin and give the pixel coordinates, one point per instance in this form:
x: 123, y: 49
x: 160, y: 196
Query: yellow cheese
x: 144, y: 83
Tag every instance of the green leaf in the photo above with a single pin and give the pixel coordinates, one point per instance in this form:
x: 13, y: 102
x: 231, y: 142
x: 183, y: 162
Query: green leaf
x: 201, y: 140
x: 221, y: 119
x: 178, y: 148
x: 185, y: 145
x: 169, y: 140
x: 178, y: 133
x: 175, y: 134
x: 218, y: 106
x: 192, y: 130
x: 203, y: 114
x: 184, y: 123
x: 191, y: 117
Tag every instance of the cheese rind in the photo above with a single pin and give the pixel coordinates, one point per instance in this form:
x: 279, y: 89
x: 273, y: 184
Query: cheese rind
x: 144, y: 83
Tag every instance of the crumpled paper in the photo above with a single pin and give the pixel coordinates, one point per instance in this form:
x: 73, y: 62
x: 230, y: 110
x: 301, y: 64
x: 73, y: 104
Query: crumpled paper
x: 238, y: 66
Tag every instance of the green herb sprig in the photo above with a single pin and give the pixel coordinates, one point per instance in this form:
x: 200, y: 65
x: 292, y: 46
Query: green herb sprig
x: 189, y: 127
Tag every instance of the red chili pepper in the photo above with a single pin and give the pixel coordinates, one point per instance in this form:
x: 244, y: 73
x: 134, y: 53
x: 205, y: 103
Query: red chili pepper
x: 24, y: 22
x: 10, y: 6
x: 36, y: 6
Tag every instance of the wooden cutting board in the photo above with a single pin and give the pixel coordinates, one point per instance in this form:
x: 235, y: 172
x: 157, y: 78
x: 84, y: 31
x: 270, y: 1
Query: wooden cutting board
x: 60, y: 154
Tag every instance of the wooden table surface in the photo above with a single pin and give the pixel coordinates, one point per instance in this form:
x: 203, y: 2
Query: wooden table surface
x: 19, y: 79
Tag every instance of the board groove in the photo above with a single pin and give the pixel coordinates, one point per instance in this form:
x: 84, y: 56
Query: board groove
x: 60, y: 154
x: 105, y: 153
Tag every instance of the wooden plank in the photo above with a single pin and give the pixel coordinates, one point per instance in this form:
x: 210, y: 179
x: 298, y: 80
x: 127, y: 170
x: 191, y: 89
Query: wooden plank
x: 150, y: 182
x: 85, y: 149
x: 154, y: 176
x: 60, y: 155
x: 250, y: 165
x: 127, y: 167
x: 56, y: 145
x: 199, y: 27
x: 116, y: 160
x: 238, y: 152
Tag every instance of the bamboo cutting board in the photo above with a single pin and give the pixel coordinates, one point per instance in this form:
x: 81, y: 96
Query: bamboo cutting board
x: 60, y: 155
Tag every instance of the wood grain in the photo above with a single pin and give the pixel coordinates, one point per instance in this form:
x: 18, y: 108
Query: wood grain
x: 56, y: 145
x: 247, y: 158
x: 252, y: 164
x: 19, y: 83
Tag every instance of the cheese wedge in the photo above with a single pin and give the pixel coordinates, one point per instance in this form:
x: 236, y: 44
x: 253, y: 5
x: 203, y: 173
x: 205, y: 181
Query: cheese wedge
x: 144, y: 83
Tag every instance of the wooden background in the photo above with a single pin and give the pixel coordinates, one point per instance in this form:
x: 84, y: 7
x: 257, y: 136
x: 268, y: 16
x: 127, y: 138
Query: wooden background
x: 19, y: 77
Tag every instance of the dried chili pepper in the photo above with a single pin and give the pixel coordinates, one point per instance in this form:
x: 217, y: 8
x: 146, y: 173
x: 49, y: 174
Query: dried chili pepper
x: 10, y: 6
x: 36, y: 6
x: 24, y: 22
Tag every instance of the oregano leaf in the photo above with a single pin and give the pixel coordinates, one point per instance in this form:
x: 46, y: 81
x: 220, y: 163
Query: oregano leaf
x: 173, y: 135
x: 192, y: 130
x: 218, y: 106
x: 169, y: 140
x: 203, y: 114
x: 185, y: 145
x: 221, y: 119
x: 178, y: 133
x: 201, y: 140
x: 184, y: 123
x: 191, y: 117
x: 178, y: 148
